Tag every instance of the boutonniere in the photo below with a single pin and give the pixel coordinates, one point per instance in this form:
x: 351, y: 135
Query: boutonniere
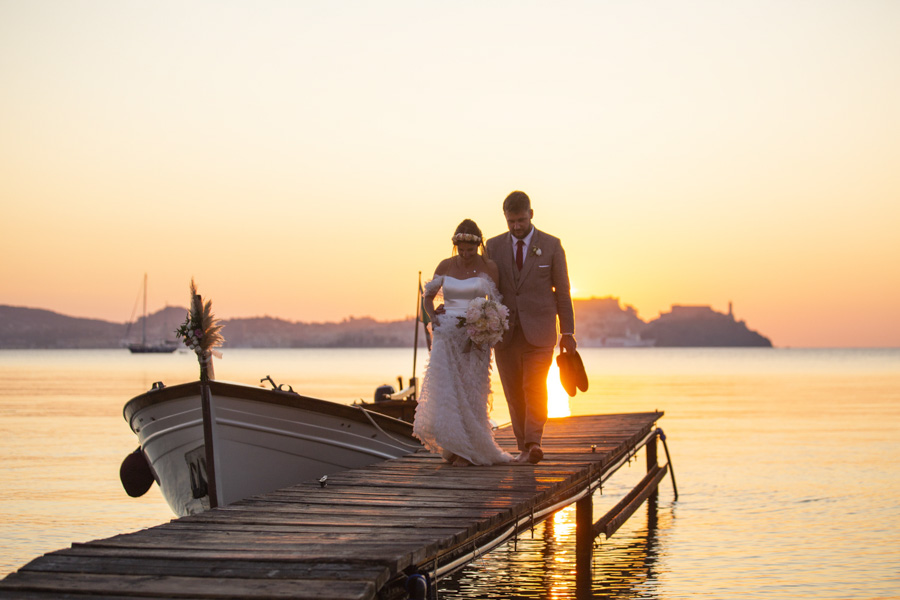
x: 536, y: 251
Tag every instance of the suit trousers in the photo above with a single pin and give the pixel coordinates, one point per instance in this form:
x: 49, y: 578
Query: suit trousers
x: 523, y: 373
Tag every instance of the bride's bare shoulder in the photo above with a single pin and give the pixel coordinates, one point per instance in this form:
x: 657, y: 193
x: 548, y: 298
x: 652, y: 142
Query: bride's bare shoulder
x: 443, y: 267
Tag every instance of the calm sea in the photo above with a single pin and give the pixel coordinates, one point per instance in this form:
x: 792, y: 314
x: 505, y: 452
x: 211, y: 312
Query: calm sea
x: 787, y: 463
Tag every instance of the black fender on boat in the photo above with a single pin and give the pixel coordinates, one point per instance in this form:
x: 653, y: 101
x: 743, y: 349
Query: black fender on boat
x: 383, y: 392
x: 135, y: 474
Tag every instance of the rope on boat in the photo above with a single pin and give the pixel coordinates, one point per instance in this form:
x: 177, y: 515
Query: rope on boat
x: 378, y: 427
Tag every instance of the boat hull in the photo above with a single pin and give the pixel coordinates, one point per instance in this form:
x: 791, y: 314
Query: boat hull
x: 164, y: 348
x: 263, y: 440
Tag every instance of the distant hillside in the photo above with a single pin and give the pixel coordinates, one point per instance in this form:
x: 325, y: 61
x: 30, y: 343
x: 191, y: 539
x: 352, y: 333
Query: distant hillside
x: 600, y: 322
x: 25, y: 328
x: 266, y: 332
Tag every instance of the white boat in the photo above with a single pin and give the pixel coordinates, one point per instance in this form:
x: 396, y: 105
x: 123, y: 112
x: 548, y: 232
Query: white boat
x: 262, y: 440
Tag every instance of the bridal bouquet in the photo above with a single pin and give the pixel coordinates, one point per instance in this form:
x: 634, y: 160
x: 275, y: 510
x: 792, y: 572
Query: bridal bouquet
x: 485, y: 321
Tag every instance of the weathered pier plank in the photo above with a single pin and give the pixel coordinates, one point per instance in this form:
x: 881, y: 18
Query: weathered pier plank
x: 357, y: 536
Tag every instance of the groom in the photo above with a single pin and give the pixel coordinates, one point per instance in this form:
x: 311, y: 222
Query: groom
x: 534, y: 282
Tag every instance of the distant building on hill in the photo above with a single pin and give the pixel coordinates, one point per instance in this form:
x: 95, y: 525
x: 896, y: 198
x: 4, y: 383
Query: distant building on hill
x: 701, y: 326
x: 690, y: 312
x: 602, y: 322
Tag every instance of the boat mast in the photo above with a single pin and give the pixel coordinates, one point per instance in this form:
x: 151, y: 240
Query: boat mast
x: 144, y: 328
x: 416, y: 335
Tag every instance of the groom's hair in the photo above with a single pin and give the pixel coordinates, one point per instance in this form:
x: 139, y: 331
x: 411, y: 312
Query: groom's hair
x: 517, y: 202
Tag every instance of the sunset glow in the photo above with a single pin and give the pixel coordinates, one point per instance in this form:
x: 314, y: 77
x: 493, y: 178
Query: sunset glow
x: 557, y: 398
x: 306, y: 160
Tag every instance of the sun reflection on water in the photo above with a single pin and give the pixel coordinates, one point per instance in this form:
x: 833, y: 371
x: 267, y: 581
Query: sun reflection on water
x: 564, y: 523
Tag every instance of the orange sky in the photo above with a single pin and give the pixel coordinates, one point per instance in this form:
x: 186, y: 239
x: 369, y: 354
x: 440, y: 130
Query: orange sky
x: 306, y: 160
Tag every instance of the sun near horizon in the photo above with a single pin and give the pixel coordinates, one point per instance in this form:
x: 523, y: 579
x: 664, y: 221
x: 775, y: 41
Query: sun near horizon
x: 557, y: 398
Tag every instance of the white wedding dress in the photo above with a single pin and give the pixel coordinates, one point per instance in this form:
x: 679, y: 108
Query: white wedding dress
x: 452, y: 417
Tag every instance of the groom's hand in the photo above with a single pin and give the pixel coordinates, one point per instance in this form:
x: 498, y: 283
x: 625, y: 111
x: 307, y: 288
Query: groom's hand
x: 567, y: 343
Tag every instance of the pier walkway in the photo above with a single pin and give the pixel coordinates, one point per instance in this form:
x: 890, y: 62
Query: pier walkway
x: 363, y: 533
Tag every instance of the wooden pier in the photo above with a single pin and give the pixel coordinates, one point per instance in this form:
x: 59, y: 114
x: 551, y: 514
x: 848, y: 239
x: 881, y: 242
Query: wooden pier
x: 366, y: 533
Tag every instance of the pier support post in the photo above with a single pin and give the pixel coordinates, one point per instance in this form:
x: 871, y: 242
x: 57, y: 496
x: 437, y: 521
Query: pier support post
x: 652, y: 462
x: 584, y: 544
x: 651, y: 453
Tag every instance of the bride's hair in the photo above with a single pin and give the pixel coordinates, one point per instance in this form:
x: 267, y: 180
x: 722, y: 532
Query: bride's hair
x: 468, y: 231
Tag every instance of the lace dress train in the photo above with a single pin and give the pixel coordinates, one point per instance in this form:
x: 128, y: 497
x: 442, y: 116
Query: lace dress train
x: 453, y: 412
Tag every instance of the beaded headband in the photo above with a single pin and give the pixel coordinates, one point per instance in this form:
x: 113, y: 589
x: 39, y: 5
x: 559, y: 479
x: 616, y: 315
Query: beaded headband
x: 466, y: 237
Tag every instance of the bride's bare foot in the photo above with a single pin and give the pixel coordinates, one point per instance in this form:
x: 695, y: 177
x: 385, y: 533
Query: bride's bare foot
x: 461, y: 462
x: 450, y: 457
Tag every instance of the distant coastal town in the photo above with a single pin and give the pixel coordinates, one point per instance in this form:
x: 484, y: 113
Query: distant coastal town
x: 601, y: 322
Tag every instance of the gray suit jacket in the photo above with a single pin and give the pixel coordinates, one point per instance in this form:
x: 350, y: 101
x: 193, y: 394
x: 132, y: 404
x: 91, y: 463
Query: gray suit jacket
x: 538, y: 294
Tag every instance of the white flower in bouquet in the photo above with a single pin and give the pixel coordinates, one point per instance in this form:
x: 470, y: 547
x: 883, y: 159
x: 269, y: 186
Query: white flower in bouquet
x: 475, y: 309
x: 485, y: 321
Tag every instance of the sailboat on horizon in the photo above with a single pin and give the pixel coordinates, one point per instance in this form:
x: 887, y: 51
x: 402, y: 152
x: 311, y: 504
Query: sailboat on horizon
x: 142, y: 347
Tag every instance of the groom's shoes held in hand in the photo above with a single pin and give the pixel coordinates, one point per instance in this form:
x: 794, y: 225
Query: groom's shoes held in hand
x: 532, y: 454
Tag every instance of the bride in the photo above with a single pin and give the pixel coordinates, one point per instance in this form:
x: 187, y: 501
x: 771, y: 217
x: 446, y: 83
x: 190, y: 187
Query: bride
x: 452, y: 416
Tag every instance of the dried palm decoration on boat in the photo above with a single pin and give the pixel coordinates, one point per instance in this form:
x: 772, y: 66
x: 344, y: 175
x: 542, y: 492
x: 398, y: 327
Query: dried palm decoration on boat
x: 201, y: 332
